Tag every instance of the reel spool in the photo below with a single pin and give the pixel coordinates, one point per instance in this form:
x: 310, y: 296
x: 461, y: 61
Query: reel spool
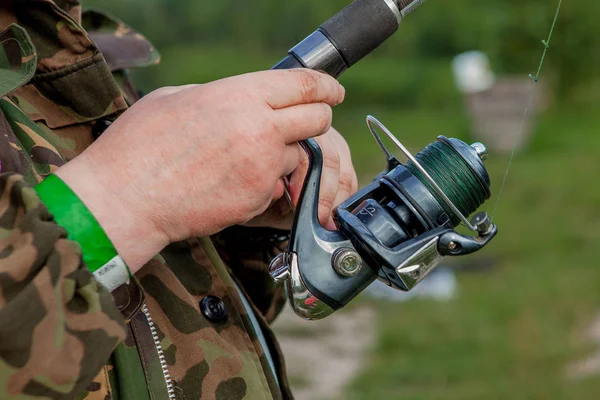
x: 396, y: 229
x: 466, y: 185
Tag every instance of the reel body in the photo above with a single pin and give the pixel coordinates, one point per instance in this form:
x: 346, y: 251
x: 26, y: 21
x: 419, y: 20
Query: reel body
x: 396, y: 229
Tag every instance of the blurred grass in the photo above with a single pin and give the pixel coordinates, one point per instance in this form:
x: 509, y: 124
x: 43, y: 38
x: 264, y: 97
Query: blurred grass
x: 510, y: 333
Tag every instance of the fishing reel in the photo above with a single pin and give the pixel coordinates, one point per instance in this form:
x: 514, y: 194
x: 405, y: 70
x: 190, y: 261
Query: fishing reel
x: 397, y: 229
x: 401, y: 225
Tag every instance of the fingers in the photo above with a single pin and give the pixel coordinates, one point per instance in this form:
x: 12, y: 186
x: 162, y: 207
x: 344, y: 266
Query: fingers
x: 292, y: 158
x: 348, y: 181
x: 287, y: 88
x: 301, y: 122
x: 278, y: 192
x: 329, y: 179
x: 329, y: 188
x: 297, y: 179
x: 293, y: 154
x: 347, y: 185
x: 338, y: 181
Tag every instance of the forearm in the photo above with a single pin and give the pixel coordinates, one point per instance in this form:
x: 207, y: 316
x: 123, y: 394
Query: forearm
x: 58, y: 326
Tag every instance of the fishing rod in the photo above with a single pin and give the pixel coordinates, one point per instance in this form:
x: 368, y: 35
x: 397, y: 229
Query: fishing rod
x: 402, y: 224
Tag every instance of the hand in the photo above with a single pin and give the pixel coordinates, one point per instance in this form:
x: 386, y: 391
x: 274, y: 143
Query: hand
x: 193, y: 160
x: 338, y: 183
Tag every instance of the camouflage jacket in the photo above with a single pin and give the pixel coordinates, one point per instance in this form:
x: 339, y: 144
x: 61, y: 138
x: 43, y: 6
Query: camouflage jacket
x: 63, y: 336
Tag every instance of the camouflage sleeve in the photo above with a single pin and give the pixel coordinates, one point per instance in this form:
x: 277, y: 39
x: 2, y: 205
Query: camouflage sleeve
x: 248, y: 252
x: 58, y: 326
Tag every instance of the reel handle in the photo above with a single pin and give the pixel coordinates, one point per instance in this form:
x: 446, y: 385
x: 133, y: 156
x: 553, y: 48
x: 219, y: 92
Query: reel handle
x: 321, y: 269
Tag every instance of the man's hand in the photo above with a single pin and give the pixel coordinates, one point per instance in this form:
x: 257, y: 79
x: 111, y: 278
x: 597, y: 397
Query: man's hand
x: 193, y: 160
x: 338, y: 183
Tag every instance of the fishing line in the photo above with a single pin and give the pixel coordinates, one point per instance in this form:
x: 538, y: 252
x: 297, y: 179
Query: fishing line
x: 535, y: 79
x: 453, y: 175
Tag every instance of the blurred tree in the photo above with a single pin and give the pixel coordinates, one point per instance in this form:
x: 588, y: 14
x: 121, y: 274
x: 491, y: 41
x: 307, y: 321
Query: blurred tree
x: 509, y: 31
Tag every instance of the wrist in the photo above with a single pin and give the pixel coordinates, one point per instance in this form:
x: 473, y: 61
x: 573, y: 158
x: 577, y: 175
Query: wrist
x: 99, y: 254
x: 133, y: 236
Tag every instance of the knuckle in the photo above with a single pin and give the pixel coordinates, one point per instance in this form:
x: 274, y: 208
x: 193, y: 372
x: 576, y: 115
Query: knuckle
x: 259, y: 177
x: 346, y: 183
x: 163, y: 91
x: 259, y: 134
x: 267, y: 127
x: 303, y: 161
x: 256, y: 194
x: 331, y: 160
x: 273, y: 130
x: 264, y: 131
x: 246, y: 181
x: 250, y: 173
x: 326, y: 203
x: 309, y: 85
x: 325, y: 118
x: 267, y: 174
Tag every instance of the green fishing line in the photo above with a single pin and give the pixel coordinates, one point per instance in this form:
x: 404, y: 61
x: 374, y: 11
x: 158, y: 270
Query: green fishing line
x: 453, y: 175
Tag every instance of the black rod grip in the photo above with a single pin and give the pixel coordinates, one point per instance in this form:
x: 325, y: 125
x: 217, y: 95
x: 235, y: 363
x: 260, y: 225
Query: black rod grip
x: 360, y: 28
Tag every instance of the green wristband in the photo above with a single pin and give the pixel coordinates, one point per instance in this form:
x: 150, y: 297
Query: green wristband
x: 69, y: 211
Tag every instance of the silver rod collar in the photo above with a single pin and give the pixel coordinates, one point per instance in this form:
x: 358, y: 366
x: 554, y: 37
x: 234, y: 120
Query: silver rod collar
x: 318, y: 53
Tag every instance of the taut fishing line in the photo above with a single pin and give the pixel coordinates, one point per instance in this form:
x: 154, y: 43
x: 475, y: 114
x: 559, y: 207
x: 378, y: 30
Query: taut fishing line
x: 535, y: 79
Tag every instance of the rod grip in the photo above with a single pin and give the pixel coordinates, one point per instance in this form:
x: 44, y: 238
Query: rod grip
x: 361, y: 27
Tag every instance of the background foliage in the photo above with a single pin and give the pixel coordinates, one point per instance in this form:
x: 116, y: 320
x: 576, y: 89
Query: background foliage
x: 510, y: 31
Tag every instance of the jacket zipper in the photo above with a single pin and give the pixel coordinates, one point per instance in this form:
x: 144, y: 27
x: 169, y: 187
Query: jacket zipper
x: 161, y: 355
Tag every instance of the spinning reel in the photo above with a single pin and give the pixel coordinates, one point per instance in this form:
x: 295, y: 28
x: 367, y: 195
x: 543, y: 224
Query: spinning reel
x: 396, y: 229
x: 400, y: 226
